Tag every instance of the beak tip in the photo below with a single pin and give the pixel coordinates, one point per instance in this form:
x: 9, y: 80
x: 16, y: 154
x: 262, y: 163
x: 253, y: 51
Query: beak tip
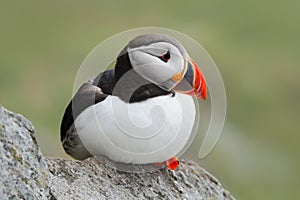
x: 204, y: 93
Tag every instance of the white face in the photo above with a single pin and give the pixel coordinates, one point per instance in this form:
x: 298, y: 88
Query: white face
x: 157, y: 63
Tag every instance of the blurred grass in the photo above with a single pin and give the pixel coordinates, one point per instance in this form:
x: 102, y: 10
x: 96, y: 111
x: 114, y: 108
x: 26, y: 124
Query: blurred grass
x: 255, y: 44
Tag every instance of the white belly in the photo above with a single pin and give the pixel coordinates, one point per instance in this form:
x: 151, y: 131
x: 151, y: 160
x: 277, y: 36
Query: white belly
x: 145, y: 132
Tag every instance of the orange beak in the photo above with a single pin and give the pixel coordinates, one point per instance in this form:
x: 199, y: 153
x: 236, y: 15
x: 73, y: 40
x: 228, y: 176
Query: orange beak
x: 193, y: 82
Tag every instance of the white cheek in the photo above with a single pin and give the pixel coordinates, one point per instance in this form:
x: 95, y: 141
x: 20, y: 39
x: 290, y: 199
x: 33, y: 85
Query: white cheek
x: 176, y: 63
x: 152, y: 68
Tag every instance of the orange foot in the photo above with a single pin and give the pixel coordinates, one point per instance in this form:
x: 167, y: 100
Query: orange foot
x: 172, y: 163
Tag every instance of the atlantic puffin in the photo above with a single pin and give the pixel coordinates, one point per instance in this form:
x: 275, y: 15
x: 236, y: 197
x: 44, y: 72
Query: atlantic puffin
x: 141, y: 111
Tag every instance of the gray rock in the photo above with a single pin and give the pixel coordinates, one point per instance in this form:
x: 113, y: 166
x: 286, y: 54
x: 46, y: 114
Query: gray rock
x: 26, y: 174
x: 92, y: 179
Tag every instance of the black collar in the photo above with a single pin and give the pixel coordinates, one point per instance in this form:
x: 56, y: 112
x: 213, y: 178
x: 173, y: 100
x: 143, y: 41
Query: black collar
x: 134, y: 89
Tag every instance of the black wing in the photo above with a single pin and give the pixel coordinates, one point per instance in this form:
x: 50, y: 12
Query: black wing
x: 87, y: 95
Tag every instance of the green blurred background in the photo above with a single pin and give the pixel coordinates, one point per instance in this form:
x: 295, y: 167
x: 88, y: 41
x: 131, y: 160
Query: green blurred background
x: 255, y: 44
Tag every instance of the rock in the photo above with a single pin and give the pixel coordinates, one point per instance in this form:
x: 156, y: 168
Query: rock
x: 91, y: 179
x: 26, y: 174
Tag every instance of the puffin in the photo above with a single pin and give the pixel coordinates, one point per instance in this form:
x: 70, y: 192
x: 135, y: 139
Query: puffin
x: 140, y: 112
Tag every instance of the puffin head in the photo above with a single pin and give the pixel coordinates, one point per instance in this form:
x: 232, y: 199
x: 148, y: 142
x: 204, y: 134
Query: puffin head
x: 163, y: 61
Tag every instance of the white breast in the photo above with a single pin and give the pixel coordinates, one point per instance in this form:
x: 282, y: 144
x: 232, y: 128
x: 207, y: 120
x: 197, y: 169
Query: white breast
x: 144, y: 132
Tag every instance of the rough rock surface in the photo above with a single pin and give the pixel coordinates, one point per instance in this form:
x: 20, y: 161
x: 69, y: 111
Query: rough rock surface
x: 23, y: 172
x: 91, y: 179
x: 26, y: 174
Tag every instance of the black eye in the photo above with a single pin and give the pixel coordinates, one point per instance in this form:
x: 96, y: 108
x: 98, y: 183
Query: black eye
x: 166, y: 57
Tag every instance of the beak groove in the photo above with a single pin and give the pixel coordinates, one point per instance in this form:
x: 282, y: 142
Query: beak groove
x: 193, y: 82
